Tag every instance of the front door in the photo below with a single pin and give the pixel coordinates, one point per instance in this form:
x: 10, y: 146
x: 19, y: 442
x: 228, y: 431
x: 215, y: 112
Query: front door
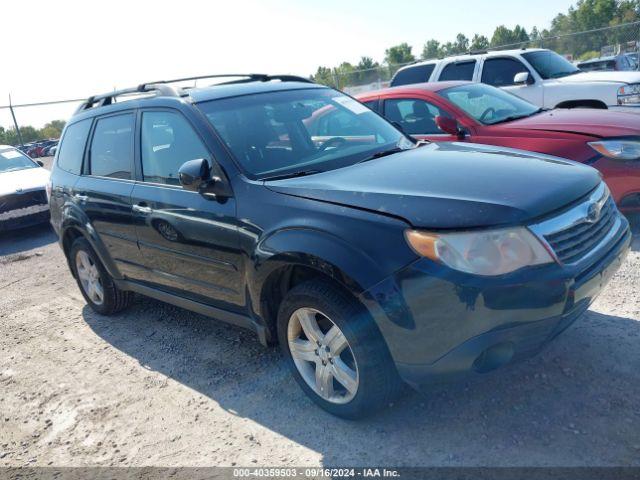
x: 189, y: 243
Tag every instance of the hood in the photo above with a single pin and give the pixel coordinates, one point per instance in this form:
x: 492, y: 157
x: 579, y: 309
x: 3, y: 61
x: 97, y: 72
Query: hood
x: 585, y: 121
x: 26, y: 179
x: 619, y: 77
x: 451, y: 185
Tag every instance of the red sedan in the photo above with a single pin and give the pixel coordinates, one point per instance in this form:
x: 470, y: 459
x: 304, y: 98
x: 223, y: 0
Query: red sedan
x: 479, y: 113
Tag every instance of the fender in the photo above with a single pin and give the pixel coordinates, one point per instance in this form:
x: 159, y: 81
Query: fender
x: 315, y: 249
x: 74, y: 217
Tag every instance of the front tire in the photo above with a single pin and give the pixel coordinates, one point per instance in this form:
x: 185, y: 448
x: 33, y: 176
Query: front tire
x: 335, y: 350
x: 95, y: 283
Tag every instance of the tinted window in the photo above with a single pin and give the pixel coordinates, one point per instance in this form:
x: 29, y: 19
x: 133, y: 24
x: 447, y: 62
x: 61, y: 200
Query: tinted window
x: 112, y: 147
x: 458, y: 71
x: 167, y: 142
x: 414, y: 74
x: 549, y: 64
x: 71, y: 149
x: 499, y: 72
x: 416, y: 117
x: 372, y: 104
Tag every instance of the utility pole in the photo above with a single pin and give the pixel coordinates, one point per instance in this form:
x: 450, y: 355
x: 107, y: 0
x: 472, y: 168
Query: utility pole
x: 15, y: 122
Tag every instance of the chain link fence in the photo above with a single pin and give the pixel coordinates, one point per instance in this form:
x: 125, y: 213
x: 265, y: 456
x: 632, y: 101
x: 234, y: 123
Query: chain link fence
x: 576, y: 47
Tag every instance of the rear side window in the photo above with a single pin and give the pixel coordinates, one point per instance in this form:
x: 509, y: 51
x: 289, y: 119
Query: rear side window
x: 458, y: 71
x: 72, y: 147
x: 500, y: 72
x: 414, y: 74
x: 167, y: 142
x: 112, y: 147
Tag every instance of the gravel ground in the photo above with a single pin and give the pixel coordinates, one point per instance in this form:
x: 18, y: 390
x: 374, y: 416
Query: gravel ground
x: 161, y: 386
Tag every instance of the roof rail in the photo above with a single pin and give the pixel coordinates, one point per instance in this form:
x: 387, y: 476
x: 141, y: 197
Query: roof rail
x: 108, y: 98
x: 161, y: 87
x: 243, y: 78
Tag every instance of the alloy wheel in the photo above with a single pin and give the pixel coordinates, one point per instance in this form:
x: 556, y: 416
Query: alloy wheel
x: 89, y: 277
x: 322, y: 355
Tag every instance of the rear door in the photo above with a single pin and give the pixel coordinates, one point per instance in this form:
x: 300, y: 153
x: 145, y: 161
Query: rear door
x: 189, y: 243
x: 103, y: 192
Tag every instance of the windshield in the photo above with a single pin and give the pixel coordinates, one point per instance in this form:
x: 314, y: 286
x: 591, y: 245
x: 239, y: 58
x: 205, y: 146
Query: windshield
x: 488, y: 104
x: 550, y: 65
x: 12, y: 159
x: 278, y: 133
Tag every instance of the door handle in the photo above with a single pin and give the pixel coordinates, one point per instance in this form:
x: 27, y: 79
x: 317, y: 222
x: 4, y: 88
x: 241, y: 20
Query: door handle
x: 81, y: 198
x: 142, y: 208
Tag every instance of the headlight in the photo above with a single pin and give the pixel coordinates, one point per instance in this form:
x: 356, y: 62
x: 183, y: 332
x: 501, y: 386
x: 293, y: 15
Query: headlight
x: 489, y: 252
x: 628, y: 94
x: 618, y: 149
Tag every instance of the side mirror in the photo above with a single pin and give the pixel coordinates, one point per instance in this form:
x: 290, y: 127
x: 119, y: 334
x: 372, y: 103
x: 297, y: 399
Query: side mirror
x: 195, y: 175
x: 40, y: 162
x: 449, y: 125
x: 522, y: 78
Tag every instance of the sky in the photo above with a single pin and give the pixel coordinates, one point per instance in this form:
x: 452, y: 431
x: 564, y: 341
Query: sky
x: 73, y: 49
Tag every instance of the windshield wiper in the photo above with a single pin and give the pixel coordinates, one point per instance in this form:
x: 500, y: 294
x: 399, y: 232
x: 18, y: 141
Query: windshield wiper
x: 511, y: 118
x: 383, y: 153
x: 300, y: 173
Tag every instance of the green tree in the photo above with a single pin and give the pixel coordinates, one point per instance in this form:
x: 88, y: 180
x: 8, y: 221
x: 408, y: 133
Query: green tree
x: 431, y: 49
x: 503, y: 36
x: 368, y: 71
x: 399, y: 54
x: 479, y: 42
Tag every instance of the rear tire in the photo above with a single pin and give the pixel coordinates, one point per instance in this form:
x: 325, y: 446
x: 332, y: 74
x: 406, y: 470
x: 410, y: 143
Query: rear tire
x: 344, y: 365
x: 95, y: 283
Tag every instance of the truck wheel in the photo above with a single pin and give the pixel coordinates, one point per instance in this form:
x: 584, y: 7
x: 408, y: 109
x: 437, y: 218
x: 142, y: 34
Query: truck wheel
x: 336, y: 351
x: 96, y: 285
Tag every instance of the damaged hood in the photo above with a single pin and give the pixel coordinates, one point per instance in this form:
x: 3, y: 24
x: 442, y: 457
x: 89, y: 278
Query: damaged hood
x: 451, y: 185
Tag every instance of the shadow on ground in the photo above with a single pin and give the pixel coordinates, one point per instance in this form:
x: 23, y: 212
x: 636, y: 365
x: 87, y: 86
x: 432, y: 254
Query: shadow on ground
x: 574, y: 404
x: 21, y: 240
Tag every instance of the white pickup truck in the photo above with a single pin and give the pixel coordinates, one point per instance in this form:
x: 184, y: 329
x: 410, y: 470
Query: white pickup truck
x: 540, y: 76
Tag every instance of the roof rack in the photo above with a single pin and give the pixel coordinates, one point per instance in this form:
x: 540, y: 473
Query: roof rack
x: 162, y: 87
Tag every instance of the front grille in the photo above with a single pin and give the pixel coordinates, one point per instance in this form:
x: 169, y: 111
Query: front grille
x: 16, y: 201
x: 575, y: 241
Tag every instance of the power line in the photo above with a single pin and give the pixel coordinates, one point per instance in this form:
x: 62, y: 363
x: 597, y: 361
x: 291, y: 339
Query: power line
x: 39, y: 104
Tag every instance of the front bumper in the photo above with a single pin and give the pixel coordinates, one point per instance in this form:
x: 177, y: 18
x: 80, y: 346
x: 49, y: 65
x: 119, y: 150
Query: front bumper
x: 23, y: 209
x: 441, y: 324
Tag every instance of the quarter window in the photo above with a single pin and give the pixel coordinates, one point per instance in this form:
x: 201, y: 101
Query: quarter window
x: 112, y: 147
x: 168, y: 141
x: 500, y: 72
x: 72, y: 146
x: 458, y: 71
x: 416, y: 117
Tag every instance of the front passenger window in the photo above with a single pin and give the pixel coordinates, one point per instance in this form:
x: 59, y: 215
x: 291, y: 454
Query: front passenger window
x: 168, y: 141
x: 416, y: 117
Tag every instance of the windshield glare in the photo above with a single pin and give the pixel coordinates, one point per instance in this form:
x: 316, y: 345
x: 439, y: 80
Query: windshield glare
x: 549, y: 64
x: 277, y: 133
x: 488, y: 104
x: 12, y: 159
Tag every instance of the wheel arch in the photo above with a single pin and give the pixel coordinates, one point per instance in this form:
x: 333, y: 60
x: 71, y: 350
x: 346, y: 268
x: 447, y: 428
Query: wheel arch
x: 584, y: 103
x: 298, y: 255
